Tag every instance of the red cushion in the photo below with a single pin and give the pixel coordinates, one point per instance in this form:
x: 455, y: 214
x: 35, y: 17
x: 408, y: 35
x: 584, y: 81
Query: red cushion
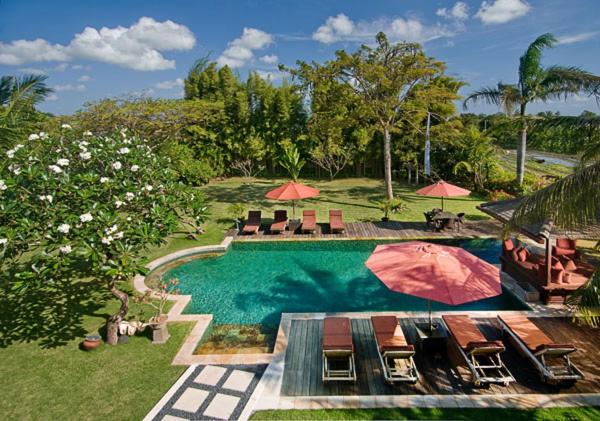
x: 556, y: 276
x: 570, y: 264
x: 515, y: 253
x: 522, y: 254
x: 556, y: 264
x: 508, y: 245
x: 566, y: 243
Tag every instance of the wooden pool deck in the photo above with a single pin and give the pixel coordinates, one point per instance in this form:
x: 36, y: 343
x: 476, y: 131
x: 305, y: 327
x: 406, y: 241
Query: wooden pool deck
x: 438, y: 375
x: 377, y: 230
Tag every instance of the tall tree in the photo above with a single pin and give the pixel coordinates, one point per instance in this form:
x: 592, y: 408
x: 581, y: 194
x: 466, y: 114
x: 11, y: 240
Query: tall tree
x: 536, y: 83
x: 18, y: 98
x: 386, y: 78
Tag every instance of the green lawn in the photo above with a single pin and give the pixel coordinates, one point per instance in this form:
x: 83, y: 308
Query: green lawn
x: 487, y: 414
x: 357, y: 197
x: 45, y: 376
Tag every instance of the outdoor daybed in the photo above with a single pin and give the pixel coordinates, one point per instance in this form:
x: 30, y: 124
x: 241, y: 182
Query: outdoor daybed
x: 541, y: 350
x: 338, y: 350
x: 481, y: 356
x: 395, y: 354
x: 253, y: 223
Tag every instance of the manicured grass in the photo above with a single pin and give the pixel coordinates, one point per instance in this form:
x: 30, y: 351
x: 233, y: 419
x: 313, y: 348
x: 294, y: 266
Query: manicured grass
x: 487, y: 414
x: 357, y: 197
x: 46, y: 376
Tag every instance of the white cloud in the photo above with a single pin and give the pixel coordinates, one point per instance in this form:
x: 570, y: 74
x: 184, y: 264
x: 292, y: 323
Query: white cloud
x: 571, y: 39
x: 342, y: 28
x: 33, y: 71
x: 502, y: 11
x: 460, y: 11
x: 169, y: 84
x: 269, y: 75
x: 269, y: 59
x: 136, y: 47
x: 61, y: 67
x: 241, y: 50
x: 69, y: 87
x: 52, y: 97
x: 84, y: 78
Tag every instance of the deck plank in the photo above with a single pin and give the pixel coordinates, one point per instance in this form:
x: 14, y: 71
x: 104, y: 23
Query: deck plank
x: 438, y: 376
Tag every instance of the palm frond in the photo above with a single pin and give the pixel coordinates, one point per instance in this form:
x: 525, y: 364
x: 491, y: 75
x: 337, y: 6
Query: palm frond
x: 560, y: 81
x: 529, y: 62
x: 585, y: 302
x: 572, y: 202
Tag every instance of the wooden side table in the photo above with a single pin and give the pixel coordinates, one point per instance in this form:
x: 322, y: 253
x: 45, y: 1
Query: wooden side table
x: 433, y: 341
x: 294, y: 225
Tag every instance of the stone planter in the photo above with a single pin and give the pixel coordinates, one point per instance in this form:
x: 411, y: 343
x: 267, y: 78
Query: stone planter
x: 91, y: 342
x: 160, y: 331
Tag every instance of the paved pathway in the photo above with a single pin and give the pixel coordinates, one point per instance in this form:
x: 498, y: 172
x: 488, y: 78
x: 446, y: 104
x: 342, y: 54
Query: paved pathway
x: 209, y: 392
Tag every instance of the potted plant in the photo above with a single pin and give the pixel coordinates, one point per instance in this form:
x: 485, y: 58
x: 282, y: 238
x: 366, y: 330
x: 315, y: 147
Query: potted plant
x: 156, y: 297
x: 238, y: 213
x: 390, y: 206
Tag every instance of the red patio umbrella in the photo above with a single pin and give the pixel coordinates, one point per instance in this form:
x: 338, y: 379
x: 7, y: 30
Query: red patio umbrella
x: 449, y: 275
x: 292, y: 191
x: 443, y: 189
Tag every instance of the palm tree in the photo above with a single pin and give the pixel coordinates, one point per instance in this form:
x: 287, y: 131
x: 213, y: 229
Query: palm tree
x: 571, y: 202
x: 18, y: 97
x: 536, y: 83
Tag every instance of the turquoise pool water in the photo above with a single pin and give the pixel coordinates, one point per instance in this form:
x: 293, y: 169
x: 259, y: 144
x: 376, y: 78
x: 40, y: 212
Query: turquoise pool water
x: 256, y: 282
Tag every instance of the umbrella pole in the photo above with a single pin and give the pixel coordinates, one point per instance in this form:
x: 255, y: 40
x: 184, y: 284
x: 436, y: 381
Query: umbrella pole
x: 442, y: 202
x: 430, y: 318
x: 293, y: 209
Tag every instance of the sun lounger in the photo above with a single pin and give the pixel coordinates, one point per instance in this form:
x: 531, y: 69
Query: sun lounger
x: 481, y: 356
x: 541, y: 350
x: 253, y: 223
x: 336, y: 223
x: 309, y: 221
x: 395, y: 354
x: 280, y: 221
x: 338, y: 350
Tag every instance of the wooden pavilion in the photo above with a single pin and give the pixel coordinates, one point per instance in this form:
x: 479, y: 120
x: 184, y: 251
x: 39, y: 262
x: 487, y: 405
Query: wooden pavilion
x: 554, y: 283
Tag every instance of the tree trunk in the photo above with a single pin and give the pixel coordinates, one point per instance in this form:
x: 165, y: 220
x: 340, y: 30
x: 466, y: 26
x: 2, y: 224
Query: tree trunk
x: 387, y: 163
x: 112, y: 325
x: 521, y: 150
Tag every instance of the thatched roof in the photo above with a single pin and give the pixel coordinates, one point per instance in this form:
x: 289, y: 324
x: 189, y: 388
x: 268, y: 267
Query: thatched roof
x: 503, y: 211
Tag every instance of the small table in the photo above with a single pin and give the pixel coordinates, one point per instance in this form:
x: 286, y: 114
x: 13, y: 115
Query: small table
x: 433, y: 341
x: 447, y: 218
x: 294, y: 224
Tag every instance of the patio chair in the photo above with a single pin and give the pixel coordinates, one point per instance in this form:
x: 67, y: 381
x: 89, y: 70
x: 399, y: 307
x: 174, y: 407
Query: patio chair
x: 431, y: 223
x: 252, y: 225
x: 309, y: 221
x: 336, y: 224
x: 435, y: 210
x: 481, y: 356
x: 395, y: 354
x: 338, y: 350
x: 459, y: 221
x: 541, y: 350
x: 280, y: 221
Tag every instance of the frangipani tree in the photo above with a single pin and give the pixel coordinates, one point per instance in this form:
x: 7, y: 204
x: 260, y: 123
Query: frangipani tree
x: 76, y: 202
x: 536, y: 83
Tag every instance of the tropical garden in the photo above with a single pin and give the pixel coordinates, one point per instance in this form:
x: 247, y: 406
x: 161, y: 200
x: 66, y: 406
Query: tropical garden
x: 88, y: 199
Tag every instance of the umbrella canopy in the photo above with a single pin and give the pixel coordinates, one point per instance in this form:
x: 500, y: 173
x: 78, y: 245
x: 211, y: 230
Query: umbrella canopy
x: 449, y: 275
x: 292, y: 191
x: 443, y: 189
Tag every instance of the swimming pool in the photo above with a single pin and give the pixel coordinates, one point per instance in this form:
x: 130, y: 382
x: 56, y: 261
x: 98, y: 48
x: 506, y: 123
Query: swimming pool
x: 254, y: 282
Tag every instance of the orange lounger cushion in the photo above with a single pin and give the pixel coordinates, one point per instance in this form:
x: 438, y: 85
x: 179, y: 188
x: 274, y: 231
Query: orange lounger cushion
x: 335, y: 220
x: 309, y: 220
x: 531, y: 335
x: 466, y: 334
x: 389, y: 334
x: 337, y: 334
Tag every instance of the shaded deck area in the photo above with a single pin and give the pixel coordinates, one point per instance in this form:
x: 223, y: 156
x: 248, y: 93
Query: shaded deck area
x: 438, y: 375
x: 375, y: 230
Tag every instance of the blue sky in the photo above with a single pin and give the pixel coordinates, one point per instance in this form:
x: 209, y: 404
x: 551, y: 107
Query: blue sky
x: 92, y: 50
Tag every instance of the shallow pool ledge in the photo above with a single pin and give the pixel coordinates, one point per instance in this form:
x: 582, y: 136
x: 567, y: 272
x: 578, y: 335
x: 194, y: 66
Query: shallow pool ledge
x: 185, y: 355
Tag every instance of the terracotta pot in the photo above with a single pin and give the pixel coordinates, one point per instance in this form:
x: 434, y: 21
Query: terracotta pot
x: 91, y: 342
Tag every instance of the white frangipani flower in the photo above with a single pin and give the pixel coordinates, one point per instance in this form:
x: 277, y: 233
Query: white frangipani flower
x: 47, y: 197
x: 117, y: 165
x: 86, y: 217
x: 15, y: 169
x: 87, y: 133
x: 134, y: 168
x: 119, y: 235
x: 2, y: 185
x: 85, y: 155
x: 63, y: 162
x: 3, y: 241
x: 66, y: 126
x: 148, y: 187
x: 112, y: 229
x: 43, y: 135
x: 64, y: 228
x: 55, y: 168
x: 33, y: 136
x: 65, y: 249
x: 107, y: 240
x: 118, y: 204
x: 10, y: 153
x: 123, y: 151
x: 129, y: 196
x: 104, y: 180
